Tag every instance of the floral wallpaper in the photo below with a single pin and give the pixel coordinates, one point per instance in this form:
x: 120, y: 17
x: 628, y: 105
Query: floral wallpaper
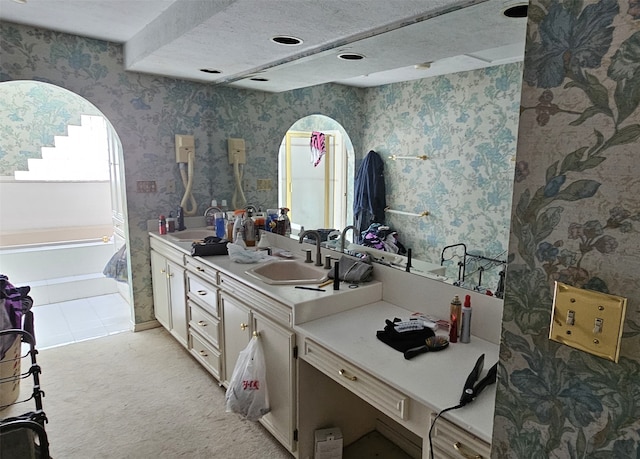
x: 147, y: 111
x: 466, y: 124
x: 575, y: 219
x: 574, y: 207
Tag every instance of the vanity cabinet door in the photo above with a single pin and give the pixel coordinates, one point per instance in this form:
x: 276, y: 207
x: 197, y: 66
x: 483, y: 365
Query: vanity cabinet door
x: 160, y: 289
x: 278, y: 344
x: 236, y: 325
x: 169, y: 302
x: 177, y: 302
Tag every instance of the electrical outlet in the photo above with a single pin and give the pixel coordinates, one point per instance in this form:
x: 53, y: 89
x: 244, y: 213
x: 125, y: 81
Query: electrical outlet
x: 264, y: 185
x: 146, y: 186
x: 587, y: 320
x: 171, y: 186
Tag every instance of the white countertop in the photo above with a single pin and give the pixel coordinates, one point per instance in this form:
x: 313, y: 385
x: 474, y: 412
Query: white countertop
x: 433, y: 379
x: 305, y: 304
x: 346, y: 321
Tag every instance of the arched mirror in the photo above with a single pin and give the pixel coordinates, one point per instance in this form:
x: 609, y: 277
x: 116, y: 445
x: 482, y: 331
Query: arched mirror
x: 315, y: 174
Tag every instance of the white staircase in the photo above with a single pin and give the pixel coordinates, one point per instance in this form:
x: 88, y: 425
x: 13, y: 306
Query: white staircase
x: 80, y: 155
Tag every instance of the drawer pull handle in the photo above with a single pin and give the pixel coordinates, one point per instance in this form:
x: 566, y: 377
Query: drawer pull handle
x: 202, y: 323
x: 202, y: 292
x: 204, y: 354
x: 465, y: 451
x: 243, y: 327
x: 350, y: 378
x: 162, y: 271
x: 199, y: 269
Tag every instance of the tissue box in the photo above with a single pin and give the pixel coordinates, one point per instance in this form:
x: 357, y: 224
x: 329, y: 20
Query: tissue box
x: 328, y: 443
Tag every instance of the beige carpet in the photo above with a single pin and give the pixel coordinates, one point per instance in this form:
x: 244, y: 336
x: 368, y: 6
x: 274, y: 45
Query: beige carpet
x: 139, y: 395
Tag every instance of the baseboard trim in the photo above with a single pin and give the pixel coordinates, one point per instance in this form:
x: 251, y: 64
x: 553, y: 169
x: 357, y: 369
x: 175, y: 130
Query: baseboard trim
x: 146, y: 325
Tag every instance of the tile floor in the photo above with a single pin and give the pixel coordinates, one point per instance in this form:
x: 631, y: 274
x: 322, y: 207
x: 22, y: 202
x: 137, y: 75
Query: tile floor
x: 57, y: 324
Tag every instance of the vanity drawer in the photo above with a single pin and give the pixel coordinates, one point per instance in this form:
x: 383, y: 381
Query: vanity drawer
x: 167, y: 251
x: 451, y: 442
x: 205, y: 354
x: 201, y: 269
x: 271, y: 308
x: 369, y: 388
x: 203, y: 293
x: 204, y: 323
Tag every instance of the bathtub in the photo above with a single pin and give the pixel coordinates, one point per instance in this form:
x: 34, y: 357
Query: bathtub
x: 59, y: 270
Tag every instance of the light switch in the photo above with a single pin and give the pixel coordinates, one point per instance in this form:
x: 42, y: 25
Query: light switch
x: 587, y: 320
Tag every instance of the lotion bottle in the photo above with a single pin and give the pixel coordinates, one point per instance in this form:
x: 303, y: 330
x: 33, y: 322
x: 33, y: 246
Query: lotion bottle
x: 465, y: 331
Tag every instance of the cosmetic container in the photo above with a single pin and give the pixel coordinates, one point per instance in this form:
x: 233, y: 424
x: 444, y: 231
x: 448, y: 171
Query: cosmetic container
x: 465, y: 331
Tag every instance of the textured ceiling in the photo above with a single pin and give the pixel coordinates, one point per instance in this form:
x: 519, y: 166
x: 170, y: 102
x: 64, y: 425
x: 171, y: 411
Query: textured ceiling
x: 177, y: 38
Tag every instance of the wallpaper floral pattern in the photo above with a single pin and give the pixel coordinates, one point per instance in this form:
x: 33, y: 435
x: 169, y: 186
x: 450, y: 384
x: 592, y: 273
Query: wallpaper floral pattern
x: 147, y: 111
x: 575, y: 220
x: 575, y: 202
x: 466, y: 124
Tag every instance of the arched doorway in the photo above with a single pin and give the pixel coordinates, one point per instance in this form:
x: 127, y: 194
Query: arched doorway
x: 61, y: 197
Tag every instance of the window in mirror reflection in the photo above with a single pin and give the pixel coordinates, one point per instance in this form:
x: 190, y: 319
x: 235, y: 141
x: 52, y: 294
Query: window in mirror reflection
x: 317, y: 188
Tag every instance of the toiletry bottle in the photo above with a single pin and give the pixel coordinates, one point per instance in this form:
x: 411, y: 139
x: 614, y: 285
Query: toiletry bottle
x: 465, y: 331
x: 249, y: 230
x: 221, y: 227
x: 456, y: 313
x: 237, y: 225
x: 284, y: 221
x: 171, y: 223
x: 270, y: 223
x: 230, y: 223
x: 180, y: 221
x: 162, y: 225
x: 453, y: 329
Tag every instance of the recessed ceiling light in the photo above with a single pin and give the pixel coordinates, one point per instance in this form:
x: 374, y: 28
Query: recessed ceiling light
x: 210, y: 71
x: 350, y: 56
x: 516, y: 10
x: 259, y: 79
x: 286, y: 40
x: 20, y: 1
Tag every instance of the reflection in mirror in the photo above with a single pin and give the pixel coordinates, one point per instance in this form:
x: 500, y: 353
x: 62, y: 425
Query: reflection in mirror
x: 466, y: 124
x: 315, y: 174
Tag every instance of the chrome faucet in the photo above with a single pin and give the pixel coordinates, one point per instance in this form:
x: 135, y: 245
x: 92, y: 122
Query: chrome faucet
x: 344, y: 233
x: 317, y: 235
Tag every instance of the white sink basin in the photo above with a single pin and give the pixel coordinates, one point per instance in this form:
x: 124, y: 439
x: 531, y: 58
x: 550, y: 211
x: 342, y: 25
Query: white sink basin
x: 195, y: 234
x: 285, y: 272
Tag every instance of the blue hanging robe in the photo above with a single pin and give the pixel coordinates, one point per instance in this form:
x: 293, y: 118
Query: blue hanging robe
x: 369, y: 193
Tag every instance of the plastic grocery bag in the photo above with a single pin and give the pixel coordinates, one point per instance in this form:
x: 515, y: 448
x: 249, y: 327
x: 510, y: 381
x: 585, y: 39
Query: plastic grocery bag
x: 247, y: 392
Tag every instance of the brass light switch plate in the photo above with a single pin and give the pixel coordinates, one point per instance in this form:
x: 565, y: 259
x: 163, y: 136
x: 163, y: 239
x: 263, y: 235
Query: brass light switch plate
x: 587, y: 320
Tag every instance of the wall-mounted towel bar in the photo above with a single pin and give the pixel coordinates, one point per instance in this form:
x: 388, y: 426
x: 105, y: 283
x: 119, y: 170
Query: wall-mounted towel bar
x: 421, y: 157
x: 402, y: 212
